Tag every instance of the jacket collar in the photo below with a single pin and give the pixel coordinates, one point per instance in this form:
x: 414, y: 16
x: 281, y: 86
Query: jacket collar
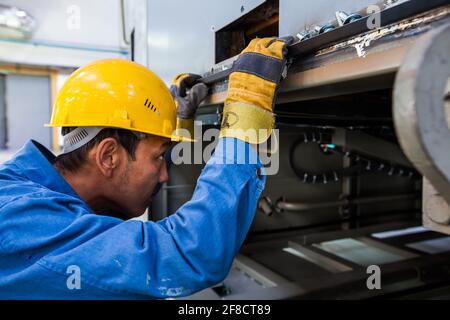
x: 36, y: 164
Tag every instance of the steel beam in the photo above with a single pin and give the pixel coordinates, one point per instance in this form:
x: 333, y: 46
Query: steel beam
x: 342, y: 69
x: 387, y: 16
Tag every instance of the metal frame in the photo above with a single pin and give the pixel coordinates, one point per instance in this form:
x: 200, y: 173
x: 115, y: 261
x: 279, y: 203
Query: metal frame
x: 320, y: 259
x: 388, y: 16
x: 417, y: 272
x: 335, y: 65
x: 339, y: 70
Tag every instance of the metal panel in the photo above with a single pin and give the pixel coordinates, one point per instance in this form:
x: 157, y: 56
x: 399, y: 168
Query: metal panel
x: 398, y: 233
x: 392, y: 14
x: 315, y: 257
x: 432, y: 246
x: 340, y: 69
x: 364, y: 251
x: 28, y: 107
x: 181, y: 34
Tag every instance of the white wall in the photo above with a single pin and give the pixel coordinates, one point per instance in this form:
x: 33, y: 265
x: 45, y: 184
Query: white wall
x: 181, y: 34
x: 28, y: 107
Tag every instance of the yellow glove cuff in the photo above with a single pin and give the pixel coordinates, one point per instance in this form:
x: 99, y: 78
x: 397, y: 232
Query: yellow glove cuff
x: 178, y: 78
x: 247, y: 122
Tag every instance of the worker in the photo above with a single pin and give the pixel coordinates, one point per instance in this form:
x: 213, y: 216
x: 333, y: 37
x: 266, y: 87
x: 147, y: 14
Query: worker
x: 65, y: 222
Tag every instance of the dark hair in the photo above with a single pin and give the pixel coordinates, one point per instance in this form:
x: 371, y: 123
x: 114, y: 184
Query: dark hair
x: 73, y: 160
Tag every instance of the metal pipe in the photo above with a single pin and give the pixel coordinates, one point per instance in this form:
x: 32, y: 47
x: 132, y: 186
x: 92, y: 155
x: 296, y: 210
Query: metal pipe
x: 299, y: 206
x: 124, y: 33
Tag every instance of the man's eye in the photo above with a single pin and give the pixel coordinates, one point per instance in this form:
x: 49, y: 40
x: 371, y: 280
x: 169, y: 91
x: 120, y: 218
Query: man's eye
x: 161, y: 157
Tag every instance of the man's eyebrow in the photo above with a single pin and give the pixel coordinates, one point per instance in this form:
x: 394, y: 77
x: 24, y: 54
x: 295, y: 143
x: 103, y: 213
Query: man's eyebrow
x: 166, y: 145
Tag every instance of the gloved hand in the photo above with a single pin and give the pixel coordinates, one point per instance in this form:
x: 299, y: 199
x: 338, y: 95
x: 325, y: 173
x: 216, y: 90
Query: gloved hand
x: 187, y: 95
x: 252, y: 87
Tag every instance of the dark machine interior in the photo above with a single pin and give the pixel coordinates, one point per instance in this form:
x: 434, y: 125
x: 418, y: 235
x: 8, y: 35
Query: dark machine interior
x: 345, y: 196
x: 328, y: 213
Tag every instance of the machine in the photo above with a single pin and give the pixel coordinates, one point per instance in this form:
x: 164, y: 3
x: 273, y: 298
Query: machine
x: 361, y: 183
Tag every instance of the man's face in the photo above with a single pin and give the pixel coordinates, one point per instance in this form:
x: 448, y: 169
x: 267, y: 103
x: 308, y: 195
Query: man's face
x: 136, y: 179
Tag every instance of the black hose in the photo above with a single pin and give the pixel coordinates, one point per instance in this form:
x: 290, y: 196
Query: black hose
x: 360, y: 164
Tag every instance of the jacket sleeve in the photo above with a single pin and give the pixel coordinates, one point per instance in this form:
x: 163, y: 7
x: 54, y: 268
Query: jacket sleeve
x: 177, y: 256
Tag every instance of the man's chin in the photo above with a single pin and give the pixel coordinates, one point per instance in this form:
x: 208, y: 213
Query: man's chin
x: 139, y: 212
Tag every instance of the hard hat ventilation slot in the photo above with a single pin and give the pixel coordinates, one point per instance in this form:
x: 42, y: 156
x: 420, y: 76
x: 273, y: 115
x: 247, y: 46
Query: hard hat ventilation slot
x: 149, y: 104
x: 79, y: 137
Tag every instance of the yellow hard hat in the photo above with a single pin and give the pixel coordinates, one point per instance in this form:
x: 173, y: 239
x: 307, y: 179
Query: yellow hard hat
x: 116, y: 93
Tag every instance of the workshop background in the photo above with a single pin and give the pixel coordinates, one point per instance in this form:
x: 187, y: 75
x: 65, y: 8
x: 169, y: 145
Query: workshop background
x: 42, y: 42
x: 363, y: 178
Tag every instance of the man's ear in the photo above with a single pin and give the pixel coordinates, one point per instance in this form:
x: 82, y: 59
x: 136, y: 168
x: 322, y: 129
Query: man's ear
x: 107, y: 156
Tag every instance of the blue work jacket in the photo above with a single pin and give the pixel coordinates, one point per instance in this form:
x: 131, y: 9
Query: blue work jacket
x: 53, y: 246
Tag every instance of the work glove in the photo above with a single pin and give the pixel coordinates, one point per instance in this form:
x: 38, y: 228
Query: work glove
x: 188, y: 93
x: 252, y: 88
